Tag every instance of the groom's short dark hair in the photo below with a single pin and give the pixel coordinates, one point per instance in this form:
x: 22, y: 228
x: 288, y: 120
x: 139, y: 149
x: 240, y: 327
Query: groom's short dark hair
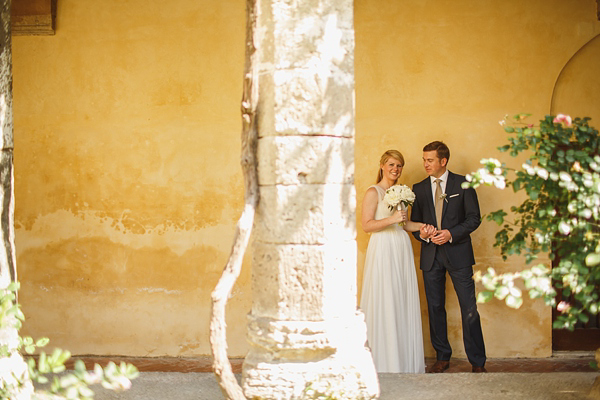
x: 440, y: 148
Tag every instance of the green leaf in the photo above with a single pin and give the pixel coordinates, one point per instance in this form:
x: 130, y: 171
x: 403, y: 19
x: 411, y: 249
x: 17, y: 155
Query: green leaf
x: 558, y: 324
x: 86, y: 392
x: 80, y: 366
x: 509, y: 129
x: 58, y: 369
x: 583, y: 318
x: 62, y: 356
x: 513, y: 301
x: 498, y: 216
x: 592, y: 259
x: 43, y: 363
x: 501, y: 292
x: 72, y: 392
x: 484, y: 297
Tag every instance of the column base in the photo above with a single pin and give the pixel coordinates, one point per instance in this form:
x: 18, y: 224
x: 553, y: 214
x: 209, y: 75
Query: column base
x: 305, y: 359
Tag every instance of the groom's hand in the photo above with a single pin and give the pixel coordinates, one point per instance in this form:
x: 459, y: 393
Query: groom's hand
x: 426, y: 231
x: 441, y: 237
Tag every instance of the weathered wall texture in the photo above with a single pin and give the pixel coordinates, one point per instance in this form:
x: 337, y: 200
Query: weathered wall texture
x: 450, y: 71
x: 127, y: 175
x: 129, y: 181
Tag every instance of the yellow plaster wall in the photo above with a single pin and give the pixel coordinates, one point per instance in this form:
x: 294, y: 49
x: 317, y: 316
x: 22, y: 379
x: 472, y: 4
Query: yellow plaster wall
x: 128, y: 181
x: 127, y: 176
x: 434, y: 70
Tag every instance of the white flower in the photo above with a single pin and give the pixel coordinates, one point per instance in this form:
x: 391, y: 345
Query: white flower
x: 529, y: 169
x: 499, y: 182
x: 588, y: 180
x: 564, y: 176
x: 492, y: 161
x: 563, y: 306
x: 586, y: 213
x: 564, y: 228
x: 542, y: 173
x: 399, y: 194
x: 121, y: 383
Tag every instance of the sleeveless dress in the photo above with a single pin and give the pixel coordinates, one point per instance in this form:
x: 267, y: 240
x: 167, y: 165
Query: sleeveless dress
x: 390, y: 299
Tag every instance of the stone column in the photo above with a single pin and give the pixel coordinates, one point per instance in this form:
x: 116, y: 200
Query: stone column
x: 13, y: 368
x: 8, y: 270
x: 304, y: 329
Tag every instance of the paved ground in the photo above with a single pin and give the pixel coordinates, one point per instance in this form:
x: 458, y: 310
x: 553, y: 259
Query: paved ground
x: 564, y: 378
x: 449, y: 386
x: 562, y: 362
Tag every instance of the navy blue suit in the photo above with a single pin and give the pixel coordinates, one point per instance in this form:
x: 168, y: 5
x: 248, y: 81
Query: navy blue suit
x: 460, y: 216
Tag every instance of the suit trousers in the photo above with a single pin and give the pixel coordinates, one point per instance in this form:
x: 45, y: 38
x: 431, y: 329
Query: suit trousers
x: 435, y: 291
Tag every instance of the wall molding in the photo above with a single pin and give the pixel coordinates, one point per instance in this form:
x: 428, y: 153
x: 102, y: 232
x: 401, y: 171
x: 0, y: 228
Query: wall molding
x: 33, y: 17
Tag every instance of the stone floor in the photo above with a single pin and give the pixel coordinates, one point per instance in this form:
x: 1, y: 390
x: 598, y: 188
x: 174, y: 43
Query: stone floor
x: 569, y: 362
x: 568, y: 377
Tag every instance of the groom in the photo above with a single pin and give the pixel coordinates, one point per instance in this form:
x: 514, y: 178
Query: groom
x: 441, y: 202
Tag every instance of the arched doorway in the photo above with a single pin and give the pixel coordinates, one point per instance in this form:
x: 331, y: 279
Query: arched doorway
x: 577, y: 93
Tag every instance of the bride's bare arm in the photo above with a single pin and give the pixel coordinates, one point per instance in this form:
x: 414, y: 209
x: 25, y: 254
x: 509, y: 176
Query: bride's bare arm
x: 369, y: 206
x: 413, y: 226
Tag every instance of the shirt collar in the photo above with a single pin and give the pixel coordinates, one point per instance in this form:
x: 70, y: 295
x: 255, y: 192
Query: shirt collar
x: 444, y: 178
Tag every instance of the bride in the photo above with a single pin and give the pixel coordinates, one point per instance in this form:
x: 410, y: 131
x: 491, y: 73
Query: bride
x: 390, y: 294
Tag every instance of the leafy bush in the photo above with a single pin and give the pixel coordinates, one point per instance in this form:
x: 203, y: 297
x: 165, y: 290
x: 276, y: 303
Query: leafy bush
x: 16, y: 376
x: 559, y: 216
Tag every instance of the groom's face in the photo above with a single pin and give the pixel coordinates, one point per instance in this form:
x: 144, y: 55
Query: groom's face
x: 433, y: 165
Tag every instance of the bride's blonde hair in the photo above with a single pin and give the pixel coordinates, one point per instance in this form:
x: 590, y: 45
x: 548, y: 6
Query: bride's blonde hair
x: 385, y: 157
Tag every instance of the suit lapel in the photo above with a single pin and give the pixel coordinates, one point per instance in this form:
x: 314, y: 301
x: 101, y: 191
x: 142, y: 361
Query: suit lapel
x: 449, y: 189
x: 429, y: 197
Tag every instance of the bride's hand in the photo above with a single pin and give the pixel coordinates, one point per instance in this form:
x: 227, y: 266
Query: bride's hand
x: 400, y: 216
x: 427, y: 231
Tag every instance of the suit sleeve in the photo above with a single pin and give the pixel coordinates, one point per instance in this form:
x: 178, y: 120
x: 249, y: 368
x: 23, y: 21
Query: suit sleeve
x: 417, y: 213
x: 472, y: 217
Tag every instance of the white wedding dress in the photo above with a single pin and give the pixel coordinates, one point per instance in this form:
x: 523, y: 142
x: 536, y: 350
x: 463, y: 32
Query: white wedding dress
x: 390, y: 299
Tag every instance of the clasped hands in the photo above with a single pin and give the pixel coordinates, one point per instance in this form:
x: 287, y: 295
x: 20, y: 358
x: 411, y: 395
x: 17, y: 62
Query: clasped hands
x: 436, y: 236
x: 426, y: 231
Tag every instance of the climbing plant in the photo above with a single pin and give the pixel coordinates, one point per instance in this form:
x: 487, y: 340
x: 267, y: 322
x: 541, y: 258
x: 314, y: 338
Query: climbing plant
x: 559, y: 216
x: 16, y: 376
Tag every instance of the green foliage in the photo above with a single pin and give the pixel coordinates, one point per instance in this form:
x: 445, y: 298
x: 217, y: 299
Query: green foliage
x: 560, y: 214
x: 69, y: 386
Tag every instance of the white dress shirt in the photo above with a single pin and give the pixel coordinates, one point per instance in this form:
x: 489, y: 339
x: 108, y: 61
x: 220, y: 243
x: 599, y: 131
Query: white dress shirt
x: 444, y: 179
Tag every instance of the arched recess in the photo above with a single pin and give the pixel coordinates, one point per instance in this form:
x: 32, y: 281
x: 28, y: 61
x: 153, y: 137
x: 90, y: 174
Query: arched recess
x: 577, y: 93
x: 577, y: 89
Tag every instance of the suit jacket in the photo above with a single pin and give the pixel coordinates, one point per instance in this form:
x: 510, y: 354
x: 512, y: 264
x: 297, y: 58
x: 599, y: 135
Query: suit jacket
x: 460, y: 216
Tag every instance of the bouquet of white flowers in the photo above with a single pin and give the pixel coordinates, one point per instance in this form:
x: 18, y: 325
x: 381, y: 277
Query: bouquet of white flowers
x: 399, y: 195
